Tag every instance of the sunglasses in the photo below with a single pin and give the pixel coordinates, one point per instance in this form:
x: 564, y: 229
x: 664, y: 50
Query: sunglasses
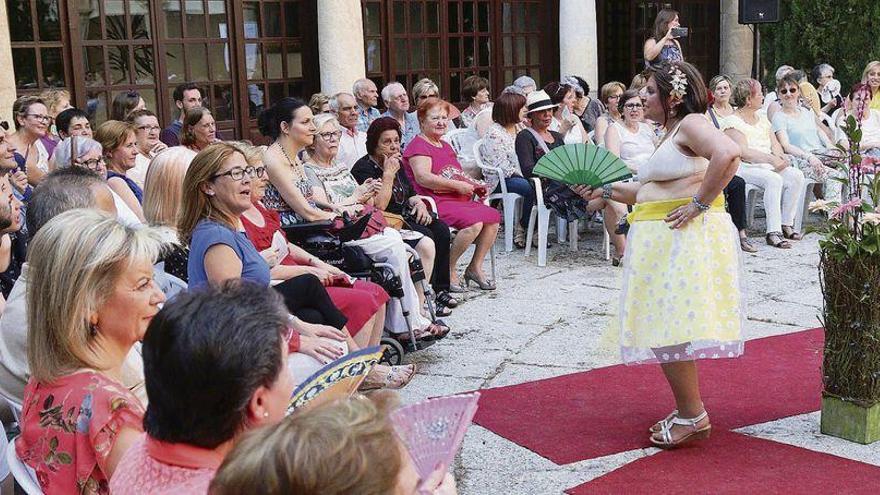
x: 633, y: 106
x: 4, y: 125
x: 787, y: 91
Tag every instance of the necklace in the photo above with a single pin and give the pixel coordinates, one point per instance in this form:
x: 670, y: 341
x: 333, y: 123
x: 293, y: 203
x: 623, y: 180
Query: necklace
x: 297, y: 170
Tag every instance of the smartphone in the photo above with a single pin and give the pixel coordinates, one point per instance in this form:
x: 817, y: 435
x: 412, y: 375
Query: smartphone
x: 680, y: 32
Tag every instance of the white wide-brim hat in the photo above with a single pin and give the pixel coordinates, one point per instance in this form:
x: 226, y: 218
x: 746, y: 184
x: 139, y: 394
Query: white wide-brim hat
x: 539, y: 100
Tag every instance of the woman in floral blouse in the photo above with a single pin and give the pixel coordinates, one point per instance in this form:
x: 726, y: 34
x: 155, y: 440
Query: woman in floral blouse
x: 77, y: 418
x: 499, y: 151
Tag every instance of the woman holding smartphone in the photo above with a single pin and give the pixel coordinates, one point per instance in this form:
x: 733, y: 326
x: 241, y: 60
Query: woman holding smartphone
x: 663, y: 46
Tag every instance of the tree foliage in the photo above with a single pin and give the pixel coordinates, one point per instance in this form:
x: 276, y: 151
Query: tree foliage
x: 843, y: 33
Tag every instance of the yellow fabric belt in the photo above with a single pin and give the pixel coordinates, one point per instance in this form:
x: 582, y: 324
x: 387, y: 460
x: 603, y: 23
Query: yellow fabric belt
x: 657, y: 210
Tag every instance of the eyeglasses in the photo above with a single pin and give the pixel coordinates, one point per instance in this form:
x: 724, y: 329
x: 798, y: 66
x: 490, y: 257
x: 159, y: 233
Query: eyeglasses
x: 633, y: 106
x: 94, y: 164
x: 327, y: 136
x: 41, y: 118
x: 149, y: 128
x: 787, y: 91
x: 425, y: 97
x: 401, y: 97
x: 239, y: 173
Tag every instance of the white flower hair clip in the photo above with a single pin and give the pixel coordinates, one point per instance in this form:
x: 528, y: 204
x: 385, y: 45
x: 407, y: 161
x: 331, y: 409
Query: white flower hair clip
x: 679, y: 83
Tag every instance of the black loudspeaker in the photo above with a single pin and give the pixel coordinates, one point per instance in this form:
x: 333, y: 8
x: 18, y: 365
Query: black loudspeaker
x: 758, y: 11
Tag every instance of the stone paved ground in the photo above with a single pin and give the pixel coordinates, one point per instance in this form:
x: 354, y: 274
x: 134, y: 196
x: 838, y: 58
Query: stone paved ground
x: 546, y: 322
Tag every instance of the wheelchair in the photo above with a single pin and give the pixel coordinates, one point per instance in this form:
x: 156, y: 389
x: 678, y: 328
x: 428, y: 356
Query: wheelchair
x: 315, y: 238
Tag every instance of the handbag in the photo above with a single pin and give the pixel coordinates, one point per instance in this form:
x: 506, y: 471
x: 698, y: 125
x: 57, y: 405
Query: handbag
x: 394, y: 220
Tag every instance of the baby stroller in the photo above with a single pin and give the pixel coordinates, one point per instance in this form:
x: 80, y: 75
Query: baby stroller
x: 317, y: 239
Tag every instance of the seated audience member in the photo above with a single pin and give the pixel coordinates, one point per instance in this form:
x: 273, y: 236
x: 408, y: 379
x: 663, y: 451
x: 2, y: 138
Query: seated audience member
x: 857, y: 104
x: 499, y: 150
x: 319, y: 103
x: 289, y: 123
x: 78, y: 418
x: 62, y: 190
x: 199, y: 129
x: 363, y: 303
x: 565, y: 122
x: 735, y: 191
x: 799, y: 131
x: 31, y: 119
x: 90, y: 155
x: 632, y: 140
x: 120, y: 155
x: 398, y: 198
x: 367, y: 458
x: 352, y: 141
x: 215, y: 363
x: 871, y: 77
x: 526, y: 84
x: 827, y: 87
x: 10, y: 224
x: 366, y: 95
x: 186, y: 97
x: 771, y: 100
x: 475, y: 92
x: 125, y: 103
x: 536, y: 141
x: 162, y: 200
x: 764, y: 164
x: 216, y: 191
x: 610, y: 96
x: 57, y: 100
x: 73, y: 122
x: 146, y: 131
x: 433, y: 168
x: 13, y: 241
x: 333, y: 184
x: 425, y: 89
x: 397, y: 102
x: 586, y: 108
x: 720, y: 108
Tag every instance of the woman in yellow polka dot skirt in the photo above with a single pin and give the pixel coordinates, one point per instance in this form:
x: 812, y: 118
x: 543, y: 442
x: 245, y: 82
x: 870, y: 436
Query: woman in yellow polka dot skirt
x: 681, y: 298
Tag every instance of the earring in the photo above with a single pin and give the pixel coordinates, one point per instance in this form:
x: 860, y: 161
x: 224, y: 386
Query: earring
x: 266, y: 414
x: 93, y: 329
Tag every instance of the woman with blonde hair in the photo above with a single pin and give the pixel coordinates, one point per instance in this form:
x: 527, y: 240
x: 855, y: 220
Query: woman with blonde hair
x: 319, y: 103
x: 57, y: 100
x: 31, y: 119
x: 366, y: 458
x: 871, y: 77
x: 118, y: 141
x: 199, y: 129
x: 162, y: 199
x: 77, y: 417
x: 609, y: 95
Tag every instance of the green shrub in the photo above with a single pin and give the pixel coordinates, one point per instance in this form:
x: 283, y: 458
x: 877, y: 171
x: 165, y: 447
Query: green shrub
x: 843, y: 33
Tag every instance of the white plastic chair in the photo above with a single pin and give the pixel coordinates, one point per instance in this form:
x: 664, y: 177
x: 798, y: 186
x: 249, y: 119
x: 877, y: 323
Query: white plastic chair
x: 541, y: 215
x: 511, y: 202
x: 4, y: 446
x: 23, y: 474
x: 803, y: 204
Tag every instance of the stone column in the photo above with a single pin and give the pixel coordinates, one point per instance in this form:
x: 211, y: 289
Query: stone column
x: 578, y: 49
x: 737, y: 43
x: 340, y: 44
x: 7, y: 78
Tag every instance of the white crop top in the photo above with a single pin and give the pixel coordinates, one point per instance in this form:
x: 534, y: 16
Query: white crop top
x: 669, y: 163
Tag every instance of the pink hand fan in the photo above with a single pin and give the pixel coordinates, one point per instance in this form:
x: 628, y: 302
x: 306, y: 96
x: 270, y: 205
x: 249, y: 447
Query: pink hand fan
x: 433, y: 430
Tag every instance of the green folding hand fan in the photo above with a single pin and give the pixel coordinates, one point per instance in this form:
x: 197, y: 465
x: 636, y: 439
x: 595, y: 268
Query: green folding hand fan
x: 581, y: 163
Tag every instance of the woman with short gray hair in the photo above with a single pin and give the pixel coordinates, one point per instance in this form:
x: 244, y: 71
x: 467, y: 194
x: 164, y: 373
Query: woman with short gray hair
x: 85, y: 152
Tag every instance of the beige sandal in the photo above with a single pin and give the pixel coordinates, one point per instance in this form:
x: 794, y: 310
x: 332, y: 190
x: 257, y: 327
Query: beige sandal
x: 395, y: 378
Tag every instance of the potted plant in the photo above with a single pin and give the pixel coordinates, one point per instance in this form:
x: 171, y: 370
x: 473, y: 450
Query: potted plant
x: 850, y: 280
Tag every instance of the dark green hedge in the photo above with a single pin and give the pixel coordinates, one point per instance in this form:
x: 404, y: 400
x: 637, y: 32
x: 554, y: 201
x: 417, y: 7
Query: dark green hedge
x: 843, y: 33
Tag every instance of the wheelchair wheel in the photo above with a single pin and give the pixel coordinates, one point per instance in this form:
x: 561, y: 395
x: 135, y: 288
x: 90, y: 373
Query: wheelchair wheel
x: 393, y: 354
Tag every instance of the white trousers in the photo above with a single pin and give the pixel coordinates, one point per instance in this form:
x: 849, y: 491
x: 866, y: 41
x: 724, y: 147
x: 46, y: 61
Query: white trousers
x: 388, y: 247
x: 782, y: 192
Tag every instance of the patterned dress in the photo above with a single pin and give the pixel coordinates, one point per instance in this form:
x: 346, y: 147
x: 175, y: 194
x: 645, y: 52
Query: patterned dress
x: 69, y: 427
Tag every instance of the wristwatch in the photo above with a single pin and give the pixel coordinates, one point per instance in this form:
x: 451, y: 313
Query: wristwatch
x: 606, y: 191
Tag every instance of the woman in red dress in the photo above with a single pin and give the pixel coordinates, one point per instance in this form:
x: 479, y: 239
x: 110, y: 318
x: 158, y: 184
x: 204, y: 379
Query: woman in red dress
x: 433, y: 168
x: 362, y: 302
